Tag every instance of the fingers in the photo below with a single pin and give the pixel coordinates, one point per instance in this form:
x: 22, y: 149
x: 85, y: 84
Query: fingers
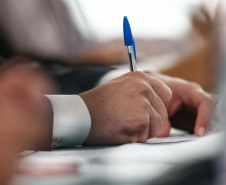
x: 190, y: 108
x: 156, y: 124
x: 200, y: 104
x: 163, y: 91
x: 157, y: 94
x: 158, y: 113
x: 204, y: 115
x: 166, y: 130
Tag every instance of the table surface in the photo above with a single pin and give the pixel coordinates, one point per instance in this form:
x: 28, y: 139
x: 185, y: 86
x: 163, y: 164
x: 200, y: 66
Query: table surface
x: 133, y: 163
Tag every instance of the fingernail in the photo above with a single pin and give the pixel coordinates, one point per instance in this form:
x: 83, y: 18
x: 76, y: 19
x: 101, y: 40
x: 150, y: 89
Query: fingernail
x: 202, y: 131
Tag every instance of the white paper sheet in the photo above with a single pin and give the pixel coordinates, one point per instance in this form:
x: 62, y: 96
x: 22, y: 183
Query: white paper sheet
x: 172, y: 139
x: 175, y: 136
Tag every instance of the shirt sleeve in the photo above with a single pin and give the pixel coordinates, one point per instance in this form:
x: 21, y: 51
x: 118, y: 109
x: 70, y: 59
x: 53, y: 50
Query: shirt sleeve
x: 71, y: 122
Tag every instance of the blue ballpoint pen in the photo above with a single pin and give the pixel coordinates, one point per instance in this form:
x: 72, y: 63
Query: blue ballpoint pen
x: 130, y: 44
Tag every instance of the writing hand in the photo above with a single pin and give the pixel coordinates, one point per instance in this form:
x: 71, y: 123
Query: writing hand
x: 128, y: 109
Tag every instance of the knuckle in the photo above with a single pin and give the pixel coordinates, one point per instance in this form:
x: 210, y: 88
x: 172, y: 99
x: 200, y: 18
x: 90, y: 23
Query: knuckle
x: 157, y: 126
x: 142, y: 139
x: 142, y: 122
x: 209, y: 100
x: 134, y: 139
x: 205, y: 97
x: 194, y: 85
x: 160, y: 119
x: 168, y: 94
x: 134, y: 81
x: 139, y: 74
x: 160, y: 106
x: 164, y: 114
x: 141, y: 87
x: 164, y: 118
x: 145, y: 104
x: 145, y: 88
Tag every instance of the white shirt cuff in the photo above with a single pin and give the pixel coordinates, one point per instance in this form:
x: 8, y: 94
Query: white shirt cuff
x: 71, y: 122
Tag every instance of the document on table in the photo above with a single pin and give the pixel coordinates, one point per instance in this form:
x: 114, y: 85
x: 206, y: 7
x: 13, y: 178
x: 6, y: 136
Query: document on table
x: 174, y: 137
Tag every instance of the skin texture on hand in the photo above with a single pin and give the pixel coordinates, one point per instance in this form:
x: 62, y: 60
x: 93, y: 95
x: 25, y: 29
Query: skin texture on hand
x: 25, y: 114
x: 128, y: 109
x: 190, y: 108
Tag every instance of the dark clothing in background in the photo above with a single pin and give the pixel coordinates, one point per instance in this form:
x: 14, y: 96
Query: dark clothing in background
x: 81, y: 79
x: 77, y: 80
x: 43, y: 30
x: 1, y: 60
x: 38, y: 28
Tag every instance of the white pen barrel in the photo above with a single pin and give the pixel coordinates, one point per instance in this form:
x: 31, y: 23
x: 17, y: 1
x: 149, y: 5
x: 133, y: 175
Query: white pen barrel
x: 131, y: 57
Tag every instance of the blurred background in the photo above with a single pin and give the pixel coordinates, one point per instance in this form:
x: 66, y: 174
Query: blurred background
x: 176, y: 36
x: 163, y: 19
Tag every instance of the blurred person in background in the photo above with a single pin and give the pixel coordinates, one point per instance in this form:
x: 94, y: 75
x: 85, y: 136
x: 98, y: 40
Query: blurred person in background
x: 26, y: 119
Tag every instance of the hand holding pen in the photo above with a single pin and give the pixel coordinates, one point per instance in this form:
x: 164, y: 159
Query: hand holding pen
x: 130, y: 108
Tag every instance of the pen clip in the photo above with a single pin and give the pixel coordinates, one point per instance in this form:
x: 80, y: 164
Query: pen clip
x: 134, y: 49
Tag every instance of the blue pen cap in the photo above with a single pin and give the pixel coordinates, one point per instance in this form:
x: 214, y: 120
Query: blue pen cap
x: 128, y: 37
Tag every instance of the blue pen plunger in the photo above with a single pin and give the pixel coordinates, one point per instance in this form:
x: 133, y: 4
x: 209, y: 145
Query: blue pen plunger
x: 128, y: 37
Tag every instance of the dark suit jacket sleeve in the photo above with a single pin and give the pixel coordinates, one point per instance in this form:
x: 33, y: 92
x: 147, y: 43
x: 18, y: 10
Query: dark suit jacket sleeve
x: 80, y: 79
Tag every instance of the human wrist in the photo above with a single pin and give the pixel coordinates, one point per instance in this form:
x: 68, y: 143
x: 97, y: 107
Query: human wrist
x: 90, y: 103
